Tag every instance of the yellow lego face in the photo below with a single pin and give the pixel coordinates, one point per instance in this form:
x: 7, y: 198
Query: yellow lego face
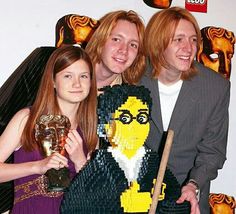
x: 130, y: 126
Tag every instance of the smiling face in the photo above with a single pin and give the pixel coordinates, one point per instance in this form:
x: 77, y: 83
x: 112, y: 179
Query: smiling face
x: 130, y: 126
x: 73, y: 83
x: 120, y: 49
x: 182, y: 48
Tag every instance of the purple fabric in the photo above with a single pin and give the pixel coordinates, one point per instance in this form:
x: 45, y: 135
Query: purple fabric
x: 40, y: 202
x: 85, y: 149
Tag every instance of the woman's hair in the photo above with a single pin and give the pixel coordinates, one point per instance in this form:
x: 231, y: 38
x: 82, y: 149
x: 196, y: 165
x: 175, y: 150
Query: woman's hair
x: 46, y: 100
x: 160, y: 30
x: 96, y: 44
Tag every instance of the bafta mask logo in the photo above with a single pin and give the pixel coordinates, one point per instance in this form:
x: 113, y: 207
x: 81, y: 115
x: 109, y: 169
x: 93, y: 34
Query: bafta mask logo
x: 74, y: 29
x: 221, y: 203
x: 161, y: 4
x: 217, y: 49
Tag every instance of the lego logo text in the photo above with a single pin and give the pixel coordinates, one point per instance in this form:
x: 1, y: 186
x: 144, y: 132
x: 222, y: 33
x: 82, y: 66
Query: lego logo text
x: 196, y: 1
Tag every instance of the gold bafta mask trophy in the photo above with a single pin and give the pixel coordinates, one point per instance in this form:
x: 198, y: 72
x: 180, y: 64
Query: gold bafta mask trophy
x: 51, y: 131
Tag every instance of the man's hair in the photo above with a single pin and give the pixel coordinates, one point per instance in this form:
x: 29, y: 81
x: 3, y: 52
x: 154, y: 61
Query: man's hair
x: 160, y: 30
x: 96, y: 44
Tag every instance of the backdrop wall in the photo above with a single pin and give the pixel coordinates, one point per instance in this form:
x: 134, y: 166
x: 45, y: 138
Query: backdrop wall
x: 27, y: 24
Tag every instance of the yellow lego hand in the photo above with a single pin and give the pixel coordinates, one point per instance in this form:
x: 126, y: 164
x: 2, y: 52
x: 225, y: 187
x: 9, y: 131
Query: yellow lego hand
x: 162, y: 193
x: 134, y: 201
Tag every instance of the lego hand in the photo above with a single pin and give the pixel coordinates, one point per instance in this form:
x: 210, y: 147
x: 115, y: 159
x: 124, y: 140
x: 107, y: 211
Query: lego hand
x: 134, y: 201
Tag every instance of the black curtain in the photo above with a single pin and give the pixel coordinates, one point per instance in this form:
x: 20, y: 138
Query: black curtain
x: 17, y: 92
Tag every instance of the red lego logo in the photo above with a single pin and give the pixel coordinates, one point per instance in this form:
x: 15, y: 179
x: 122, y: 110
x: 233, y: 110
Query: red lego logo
x: 196, y: 5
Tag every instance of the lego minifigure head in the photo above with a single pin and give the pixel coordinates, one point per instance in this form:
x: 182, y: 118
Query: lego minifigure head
x: 124, y: 114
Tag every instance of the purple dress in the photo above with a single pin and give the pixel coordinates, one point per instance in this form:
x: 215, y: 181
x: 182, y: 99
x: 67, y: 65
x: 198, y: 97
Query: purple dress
x: 30, y: 192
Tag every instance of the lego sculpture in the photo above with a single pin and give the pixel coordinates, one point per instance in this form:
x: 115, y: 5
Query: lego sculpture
x: 120, y: 177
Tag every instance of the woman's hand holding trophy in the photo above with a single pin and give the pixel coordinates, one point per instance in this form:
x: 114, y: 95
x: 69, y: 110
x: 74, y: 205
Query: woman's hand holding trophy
x: 51, y: 133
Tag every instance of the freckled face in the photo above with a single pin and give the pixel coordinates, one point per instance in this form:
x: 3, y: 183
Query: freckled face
x: 73, y: 83
x: 182, y: 47
x: 120, y: 49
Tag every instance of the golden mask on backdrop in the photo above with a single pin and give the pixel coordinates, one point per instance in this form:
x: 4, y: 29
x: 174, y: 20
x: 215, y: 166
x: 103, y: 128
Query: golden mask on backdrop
x: 221, y: 203
x: 75, y: 29
x: 217, y: 49
x: 161, y: 4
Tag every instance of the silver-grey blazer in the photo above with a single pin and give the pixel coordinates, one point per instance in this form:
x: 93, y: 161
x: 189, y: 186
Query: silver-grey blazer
x: 200, y: 124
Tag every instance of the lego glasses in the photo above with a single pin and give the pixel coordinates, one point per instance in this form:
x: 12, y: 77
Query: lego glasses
x: 126, y: 117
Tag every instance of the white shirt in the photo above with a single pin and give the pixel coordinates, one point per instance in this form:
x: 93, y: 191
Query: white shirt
x: 168, y: 97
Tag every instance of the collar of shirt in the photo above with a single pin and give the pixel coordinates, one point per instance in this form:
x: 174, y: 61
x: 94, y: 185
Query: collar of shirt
x: 129, y: 166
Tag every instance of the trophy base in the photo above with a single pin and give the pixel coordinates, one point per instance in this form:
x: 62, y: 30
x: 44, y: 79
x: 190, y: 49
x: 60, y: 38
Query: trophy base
x: 58, y: 180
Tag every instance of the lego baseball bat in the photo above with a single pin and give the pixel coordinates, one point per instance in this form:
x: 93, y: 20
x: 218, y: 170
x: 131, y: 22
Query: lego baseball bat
x: 161, y: 171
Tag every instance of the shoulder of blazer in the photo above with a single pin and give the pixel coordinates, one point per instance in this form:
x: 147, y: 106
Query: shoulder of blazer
x: 207, y: 74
